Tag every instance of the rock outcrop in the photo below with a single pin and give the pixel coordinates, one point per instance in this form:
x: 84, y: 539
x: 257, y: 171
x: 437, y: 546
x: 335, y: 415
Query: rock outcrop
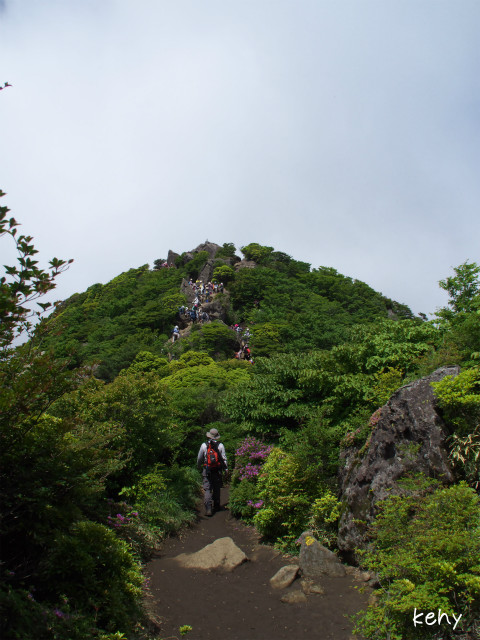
x: 210, y: 247
x: 187, y: 291
x: 172, y: 256
x: 245, y: 264
x: 222, y: 554
x: 217, y: 308
x: 206, y: 272
x: 409, y: 436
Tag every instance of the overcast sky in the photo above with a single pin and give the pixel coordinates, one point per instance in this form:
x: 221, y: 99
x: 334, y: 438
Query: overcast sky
x: 344, y: 133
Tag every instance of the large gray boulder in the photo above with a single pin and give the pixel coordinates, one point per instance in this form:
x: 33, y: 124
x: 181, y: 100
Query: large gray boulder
x: 316, y: 560
x: 409, y: 436
x: 222, y: 554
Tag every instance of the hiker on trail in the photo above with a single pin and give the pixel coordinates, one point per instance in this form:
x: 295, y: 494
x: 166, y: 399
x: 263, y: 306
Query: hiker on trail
x: 212, y: 459
x: 245, y: 338
x: 175, y: 333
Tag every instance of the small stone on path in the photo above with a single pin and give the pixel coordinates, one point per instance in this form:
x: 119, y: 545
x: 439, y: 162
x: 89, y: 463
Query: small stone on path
x: 284, y: 576
x: 309, y: 586
x: 294, y: 597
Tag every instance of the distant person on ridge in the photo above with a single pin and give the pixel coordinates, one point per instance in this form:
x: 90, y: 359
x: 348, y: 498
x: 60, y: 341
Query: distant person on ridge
x: 212, y: 459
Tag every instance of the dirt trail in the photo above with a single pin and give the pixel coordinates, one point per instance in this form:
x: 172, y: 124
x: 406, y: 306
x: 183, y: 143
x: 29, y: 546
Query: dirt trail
x: 241, y: 605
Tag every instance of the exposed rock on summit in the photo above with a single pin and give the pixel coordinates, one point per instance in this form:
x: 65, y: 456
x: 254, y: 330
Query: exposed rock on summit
x: 409, y: 436
x: 245, y: 264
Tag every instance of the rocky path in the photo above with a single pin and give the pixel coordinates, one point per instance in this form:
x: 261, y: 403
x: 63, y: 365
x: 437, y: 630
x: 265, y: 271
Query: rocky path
x: 241, y: 605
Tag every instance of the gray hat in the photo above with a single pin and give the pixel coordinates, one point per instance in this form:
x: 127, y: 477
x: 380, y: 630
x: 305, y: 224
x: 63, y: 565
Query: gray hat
x: 213, y: 433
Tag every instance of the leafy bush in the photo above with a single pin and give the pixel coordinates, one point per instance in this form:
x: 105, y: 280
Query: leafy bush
x: 256, y: 252
x: 223, y: 274
x: 227, y: 250
x: 459, y: 399
x: 425, y: 550
x: 324, y: 515
x: 163, y: 500
x: 286, y: 497
x: 243, y: 495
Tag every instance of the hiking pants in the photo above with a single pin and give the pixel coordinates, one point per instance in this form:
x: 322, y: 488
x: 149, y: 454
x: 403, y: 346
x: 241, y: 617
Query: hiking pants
x: 212, y: 482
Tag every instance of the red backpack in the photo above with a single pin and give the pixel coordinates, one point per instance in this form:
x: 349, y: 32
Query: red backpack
x: 213, y: 459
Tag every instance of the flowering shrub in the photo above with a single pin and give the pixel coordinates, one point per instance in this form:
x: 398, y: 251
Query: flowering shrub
x: 120, y: 520
x: 249, y: 458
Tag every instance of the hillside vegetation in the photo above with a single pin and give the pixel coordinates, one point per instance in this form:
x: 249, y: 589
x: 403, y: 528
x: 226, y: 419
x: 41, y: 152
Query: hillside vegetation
x: 102, y: 415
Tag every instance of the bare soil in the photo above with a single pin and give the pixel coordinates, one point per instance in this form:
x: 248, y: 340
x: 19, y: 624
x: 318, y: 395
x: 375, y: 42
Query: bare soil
x: 241, y: 605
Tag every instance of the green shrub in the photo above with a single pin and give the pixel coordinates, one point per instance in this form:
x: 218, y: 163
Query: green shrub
x: 459, y: 399
x: 426, y: 551
x: 256, y: 252
x: 324, y: 515
x: 223, y: 274
x: 286, y: 499
x: 243, y: 496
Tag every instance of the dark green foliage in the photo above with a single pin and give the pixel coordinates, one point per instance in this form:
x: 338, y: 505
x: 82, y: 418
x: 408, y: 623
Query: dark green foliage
x: 287, y: 389
x: 95, y: 570
x: 305, y: 310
